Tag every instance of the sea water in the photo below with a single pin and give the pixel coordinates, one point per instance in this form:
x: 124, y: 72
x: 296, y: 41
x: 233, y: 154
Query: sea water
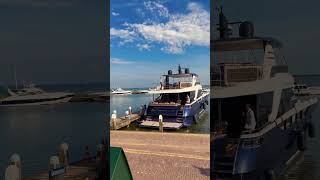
x: 35, y: 132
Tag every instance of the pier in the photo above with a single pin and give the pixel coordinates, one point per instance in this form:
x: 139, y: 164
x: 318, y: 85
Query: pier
x: 156, y: 155
x: 123, y: 121
x: 80, y: 170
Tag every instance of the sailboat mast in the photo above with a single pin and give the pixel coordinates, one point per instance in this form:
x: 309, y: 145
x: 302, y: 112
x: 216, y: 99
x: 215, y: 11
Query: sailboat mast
x: 15, y: 77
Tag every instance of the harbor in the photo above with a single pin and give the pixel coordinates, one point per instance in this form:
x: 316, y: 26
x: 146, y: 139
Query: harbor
x: 39, y: 129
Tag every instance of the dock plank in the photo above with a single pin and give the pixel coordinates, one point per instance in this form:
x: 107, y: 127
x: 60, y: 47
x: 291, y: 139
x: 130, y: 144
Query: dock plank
x: 124, y: 122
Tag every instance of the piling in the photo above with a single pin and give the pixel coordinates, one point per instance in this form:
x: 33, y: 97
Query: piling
x: 54, y: 169
x: 101, y: 162
x: 160, y: 123
x: 64, y: 154
x: 113, y: 119
x: 13, y: 171
x: 130, y: 110
x: 127, y: 114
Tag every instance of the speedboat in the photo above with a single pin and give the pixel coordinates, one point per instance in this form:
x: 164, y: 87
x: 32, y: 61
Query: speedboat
x: 248, y: 71
x: 32, y: 95
x: 120, y: 91
x: 180, y: 101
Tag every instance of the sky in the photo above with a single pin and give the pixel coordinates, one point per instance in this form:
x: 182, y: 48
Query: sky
x: 294, y: 23
x: 150, y: 37
x: 52, y: 41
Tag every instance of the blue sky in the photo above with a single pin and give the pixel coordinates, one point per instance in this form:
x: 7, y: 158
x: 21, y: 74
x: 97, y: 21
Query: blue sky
x: 150, y: 37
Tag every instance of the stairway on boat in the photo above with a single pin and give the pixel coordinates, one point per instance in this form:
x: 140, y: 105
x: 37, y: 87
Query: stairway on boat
x: 180, y: 116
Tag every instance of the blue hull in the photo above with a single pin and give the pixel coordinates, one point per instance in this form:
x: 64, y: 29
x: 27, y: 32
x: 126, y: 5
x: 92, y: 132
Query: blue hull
x: 259, y: 156
x: 188, y: 115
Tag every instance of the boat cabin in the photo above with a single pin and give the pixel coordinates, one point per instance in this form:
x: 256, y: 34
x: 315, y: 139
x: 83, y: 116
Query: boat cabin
x: 175, y: 98
x: 230, y: 113
x: 183, y: 79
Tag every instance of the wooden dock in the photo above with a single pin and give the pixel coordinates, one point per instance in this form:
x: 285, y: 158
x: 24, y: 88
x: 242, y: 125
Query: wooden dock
x: 166, y: 125
x: 124, y: 121
x: 77, y: 171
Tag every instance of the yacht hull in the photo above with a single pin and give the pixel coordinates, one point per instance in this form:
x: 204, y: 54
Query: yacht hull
x: 40, y: 102
x: 187, y: 115
x: 268, y: 154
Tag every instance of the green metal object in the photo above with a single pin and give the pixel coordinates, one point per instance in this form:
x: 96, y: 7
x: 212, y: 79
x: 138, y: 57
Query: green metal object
x: 119, y: 166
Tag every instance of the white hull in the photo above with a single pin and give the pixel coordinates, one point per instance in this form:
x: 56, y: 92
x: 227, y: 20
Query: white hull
x: 62, y: 100
x: 118, y: 93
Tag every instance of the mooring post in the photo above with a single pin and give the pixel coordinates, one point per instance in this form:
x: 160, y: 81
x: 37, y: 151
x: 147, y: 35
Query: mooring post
x: 113, y: 120
x: 127, y: 114
x: 101, y: 162
x: 160, y: 123
x: 130, y: 110
x: 64, y: 154
x: 13, y: 171
x: 56, y: 171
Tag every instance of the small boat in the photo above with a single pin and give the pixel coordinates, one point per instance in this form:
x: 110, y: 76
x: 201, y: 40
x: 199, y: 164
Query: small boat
x: 181, y: 101
x: 120, y: 91
x: 31, y: 95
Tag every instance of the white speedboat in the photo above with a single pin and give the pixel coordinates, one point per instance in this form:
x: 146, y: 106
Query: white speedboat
x: 120, y: 91
x: 32, y: 95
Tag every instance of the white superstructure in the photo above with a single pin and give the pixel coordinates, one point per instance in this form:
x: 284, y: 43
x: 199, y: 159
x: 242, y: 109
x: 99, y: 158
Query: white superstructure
x: 31, y: 95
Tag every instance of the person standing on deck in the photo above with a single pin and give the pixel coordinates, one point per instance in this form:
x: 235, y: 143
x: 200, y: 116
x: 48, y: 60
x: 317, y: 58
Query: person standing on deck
x: 250, y: 119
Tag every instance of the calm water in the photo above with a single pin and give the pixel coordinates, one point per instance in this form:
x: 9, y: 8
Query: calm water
x: 35, y: 132
x: 308, y: 166
x: 121, y: 104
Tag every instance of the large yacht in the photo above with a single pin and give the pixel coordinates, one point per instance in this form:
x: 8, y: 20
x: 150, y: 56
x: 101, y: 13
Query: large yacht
x: 32, y: 95
x: 181, y: 101
x: 248, y: 73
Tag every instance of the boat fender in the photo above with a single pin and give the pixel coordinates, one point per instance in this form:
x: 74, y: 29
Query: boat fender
x: 270, y: 175
x: 301, y: 141
x: 311, y: 130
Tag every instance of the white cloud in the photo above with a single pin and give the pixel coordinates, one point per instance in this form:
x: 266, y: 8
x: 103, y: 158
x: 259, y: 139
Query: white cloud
x: 143, y: 46
x: 177, y: 33
x: 120, y: 61
x: 156, y: 7
x: 115, y: 14
x: 124, y: 34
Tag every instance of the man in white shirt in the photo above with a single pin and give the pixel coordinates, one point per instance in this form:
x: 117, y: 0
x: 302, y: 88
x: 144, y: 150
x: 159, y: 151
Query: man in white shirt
x: 250, y: 119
